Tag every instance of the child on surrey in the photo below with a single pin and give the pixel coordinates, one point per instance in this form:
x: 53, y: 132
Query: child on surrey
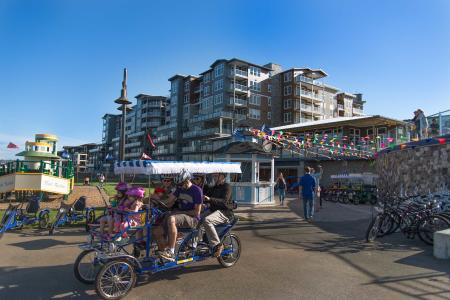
x: 133, y: 203
x: 119, y: 199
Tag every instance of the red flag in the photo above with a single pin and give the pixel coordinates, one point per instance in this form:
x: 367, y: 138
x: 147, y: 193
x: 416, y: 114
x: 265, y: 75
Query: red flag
x: 145, y: 156
x: 150, y: 140
x: 12, y: 146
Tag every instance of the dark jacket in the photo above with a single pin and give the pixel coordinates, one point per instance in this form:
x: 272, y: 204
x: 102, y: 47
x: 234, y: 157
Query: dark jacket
x: 220, y: 199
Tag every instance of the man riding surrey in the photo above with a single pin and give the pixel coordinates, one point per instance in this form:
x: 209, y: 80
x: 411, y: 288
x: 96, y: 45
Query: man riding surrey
x: 221, y: 207
x: 186, y: 214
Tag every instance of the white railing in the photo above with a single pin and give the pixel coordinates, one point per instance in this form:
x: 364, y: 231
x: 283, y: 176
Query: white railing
x: 161, y: 151
x: 310, y: 95
x: 317, y: 109
x: 238, y: 72
x: 358, y: 111
x: 239, y: 87
x: 308, y: 80
x: 136, y: 134
x: 131, y: 145
x: 340, y: 106
x: 237, y: 101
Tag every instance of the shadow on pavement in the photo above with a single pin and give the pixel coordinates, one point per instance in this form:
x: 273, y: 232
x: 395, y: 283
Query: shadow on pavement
x: 340, y: 231
x: 42, y: 283
x: 42, y: 244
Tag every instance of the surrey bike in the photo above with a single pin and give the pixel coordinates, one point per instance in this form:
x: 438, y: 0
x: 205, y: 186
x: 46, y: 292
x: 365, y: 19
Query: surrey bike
x: 76, y: 212
x: 113, y: 263
x: 15, y: 216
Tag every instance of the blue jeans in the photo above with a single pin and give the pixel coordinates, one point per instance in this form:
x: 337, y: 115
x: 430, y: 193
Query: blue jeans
x: 308, y: 207
x: 282, y: 194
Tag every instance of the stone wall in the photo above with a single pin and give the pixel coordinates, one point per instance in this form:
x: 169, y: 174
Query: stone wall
x: 420, y: 168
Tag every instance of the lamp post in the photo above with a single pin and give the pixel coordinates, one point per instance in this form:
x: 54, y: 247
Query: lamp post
x: 124, y: 107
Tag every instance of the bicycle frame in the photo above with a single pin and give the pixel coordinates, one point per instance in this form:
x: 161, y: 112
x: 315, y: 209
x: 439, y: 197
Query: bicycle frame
x: 152, y: 263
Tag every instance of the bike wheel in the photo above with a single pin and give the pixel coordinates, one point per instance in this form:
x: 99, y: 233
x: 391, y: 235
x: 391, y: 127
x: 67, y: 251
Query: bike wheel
x: 44, y: 220
x: 373, y: 229
x: 90, y: 218
x: 429, y: 225
x: 232, y: 248
x: 55, y: 223
x: 115, y: 279
x: 87, y: 266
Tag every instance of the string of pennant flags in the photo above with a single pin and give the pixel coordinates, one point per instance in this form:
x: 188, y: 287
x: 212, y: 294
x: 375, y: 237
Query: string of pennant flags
x: 336, y: 147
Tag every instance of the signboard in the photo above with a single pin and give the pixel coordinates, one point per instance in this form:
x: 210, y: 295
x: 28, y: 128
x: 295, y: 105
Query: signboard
x: 34, y: 182
x: 7, y: 183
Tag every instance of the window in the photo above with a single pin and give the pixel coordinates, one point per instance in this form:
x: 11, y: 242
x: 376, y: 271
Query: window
x: 218, y: 99
x: 255, y: 71
x: 255, y: 99
x: 144, y: 110
x: 218, y: 85
x: 218, y: 70
x: 186, y: 98
x: 186, y: 110
x: 187, y: 84
x: 287, y: 90
x: 269, y: 88
x: 269, y: 115
x: 287, y: 117
x: 207, y: 77
x: 287, y: 76
x: 205, y: 91
x: 254, y: 114
x: 256, y: 86
x: 287, y: 103
x: 269, y: 101
x: 174, y: 88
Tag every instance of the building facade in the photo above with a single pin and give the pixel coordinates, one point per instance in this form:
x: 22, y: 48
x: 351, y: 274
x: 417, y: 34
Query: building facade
x: 205, y: 109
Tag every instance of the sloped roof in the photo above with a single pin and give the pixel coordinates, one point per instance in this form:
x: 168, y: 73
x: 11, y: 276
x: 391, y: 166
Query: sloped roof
x: 242, y: 148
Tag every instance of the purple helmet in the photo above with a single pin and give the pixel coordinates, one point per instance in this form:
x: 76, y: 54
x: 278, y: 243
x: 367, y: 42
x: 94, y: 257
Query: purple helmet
x: 137, y: 192
x: 122, y: 187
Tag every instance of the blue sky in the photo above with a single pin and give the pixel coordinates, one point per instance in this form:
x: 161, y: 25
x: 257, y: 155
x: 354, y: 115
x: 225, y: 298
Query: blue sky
x: 61, y: 61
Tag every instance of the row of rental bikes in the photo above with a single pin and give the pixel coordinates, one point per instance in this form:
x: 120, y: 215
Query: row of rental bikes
x: 412, y: 215
x: 29, y: 213
x: 114, y: 263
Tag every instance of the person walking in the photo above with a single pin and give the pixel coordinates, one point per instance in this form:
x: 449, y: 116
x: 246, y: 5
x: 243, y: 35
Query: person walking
x: 101, y: 180
x: 421, y: 124
x: 281, y: 187
x: 317, y: 176
x: 307, y: 184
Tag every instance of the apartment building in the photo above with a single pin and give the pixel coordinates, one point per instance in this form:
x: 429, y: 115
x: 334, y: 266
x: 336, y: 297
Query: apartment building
x: 205, y: 109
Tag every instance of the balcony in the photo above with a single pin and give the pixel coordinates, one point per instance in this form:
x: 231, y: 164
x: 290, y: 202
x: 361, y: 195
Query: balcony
x: 163, y: 138
x: 308, y: 94
x: 340, y: 107
x: 206, y: 132
x: 218, y: 114
x: 308, y: 80
x: 136, y: 134
x: 237, y: 72
x: 131, y: 145
x: 357, y: 111
x: 317, y: 110
x: 168, y: 126
x: 150, y: 124
x: 189, y: 149
x: 239, y: 87
x: 160, y: 151
x: 154, y: 114
x: 135, y: 155
x: 206, y: 148
x: 237, y: 102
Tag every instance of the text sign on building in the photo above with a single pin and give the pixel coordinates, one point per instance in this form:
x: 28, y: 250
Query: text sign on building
x: 7, y: 183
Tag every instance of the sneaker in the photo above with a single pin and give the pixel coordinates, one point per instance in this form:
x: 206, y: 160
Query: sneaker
x: 218, y: 250
x: 167, y: 254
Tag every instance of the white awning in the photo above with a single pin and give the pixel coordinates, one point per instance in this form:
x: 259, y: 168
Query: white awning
x: 154, y: 167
